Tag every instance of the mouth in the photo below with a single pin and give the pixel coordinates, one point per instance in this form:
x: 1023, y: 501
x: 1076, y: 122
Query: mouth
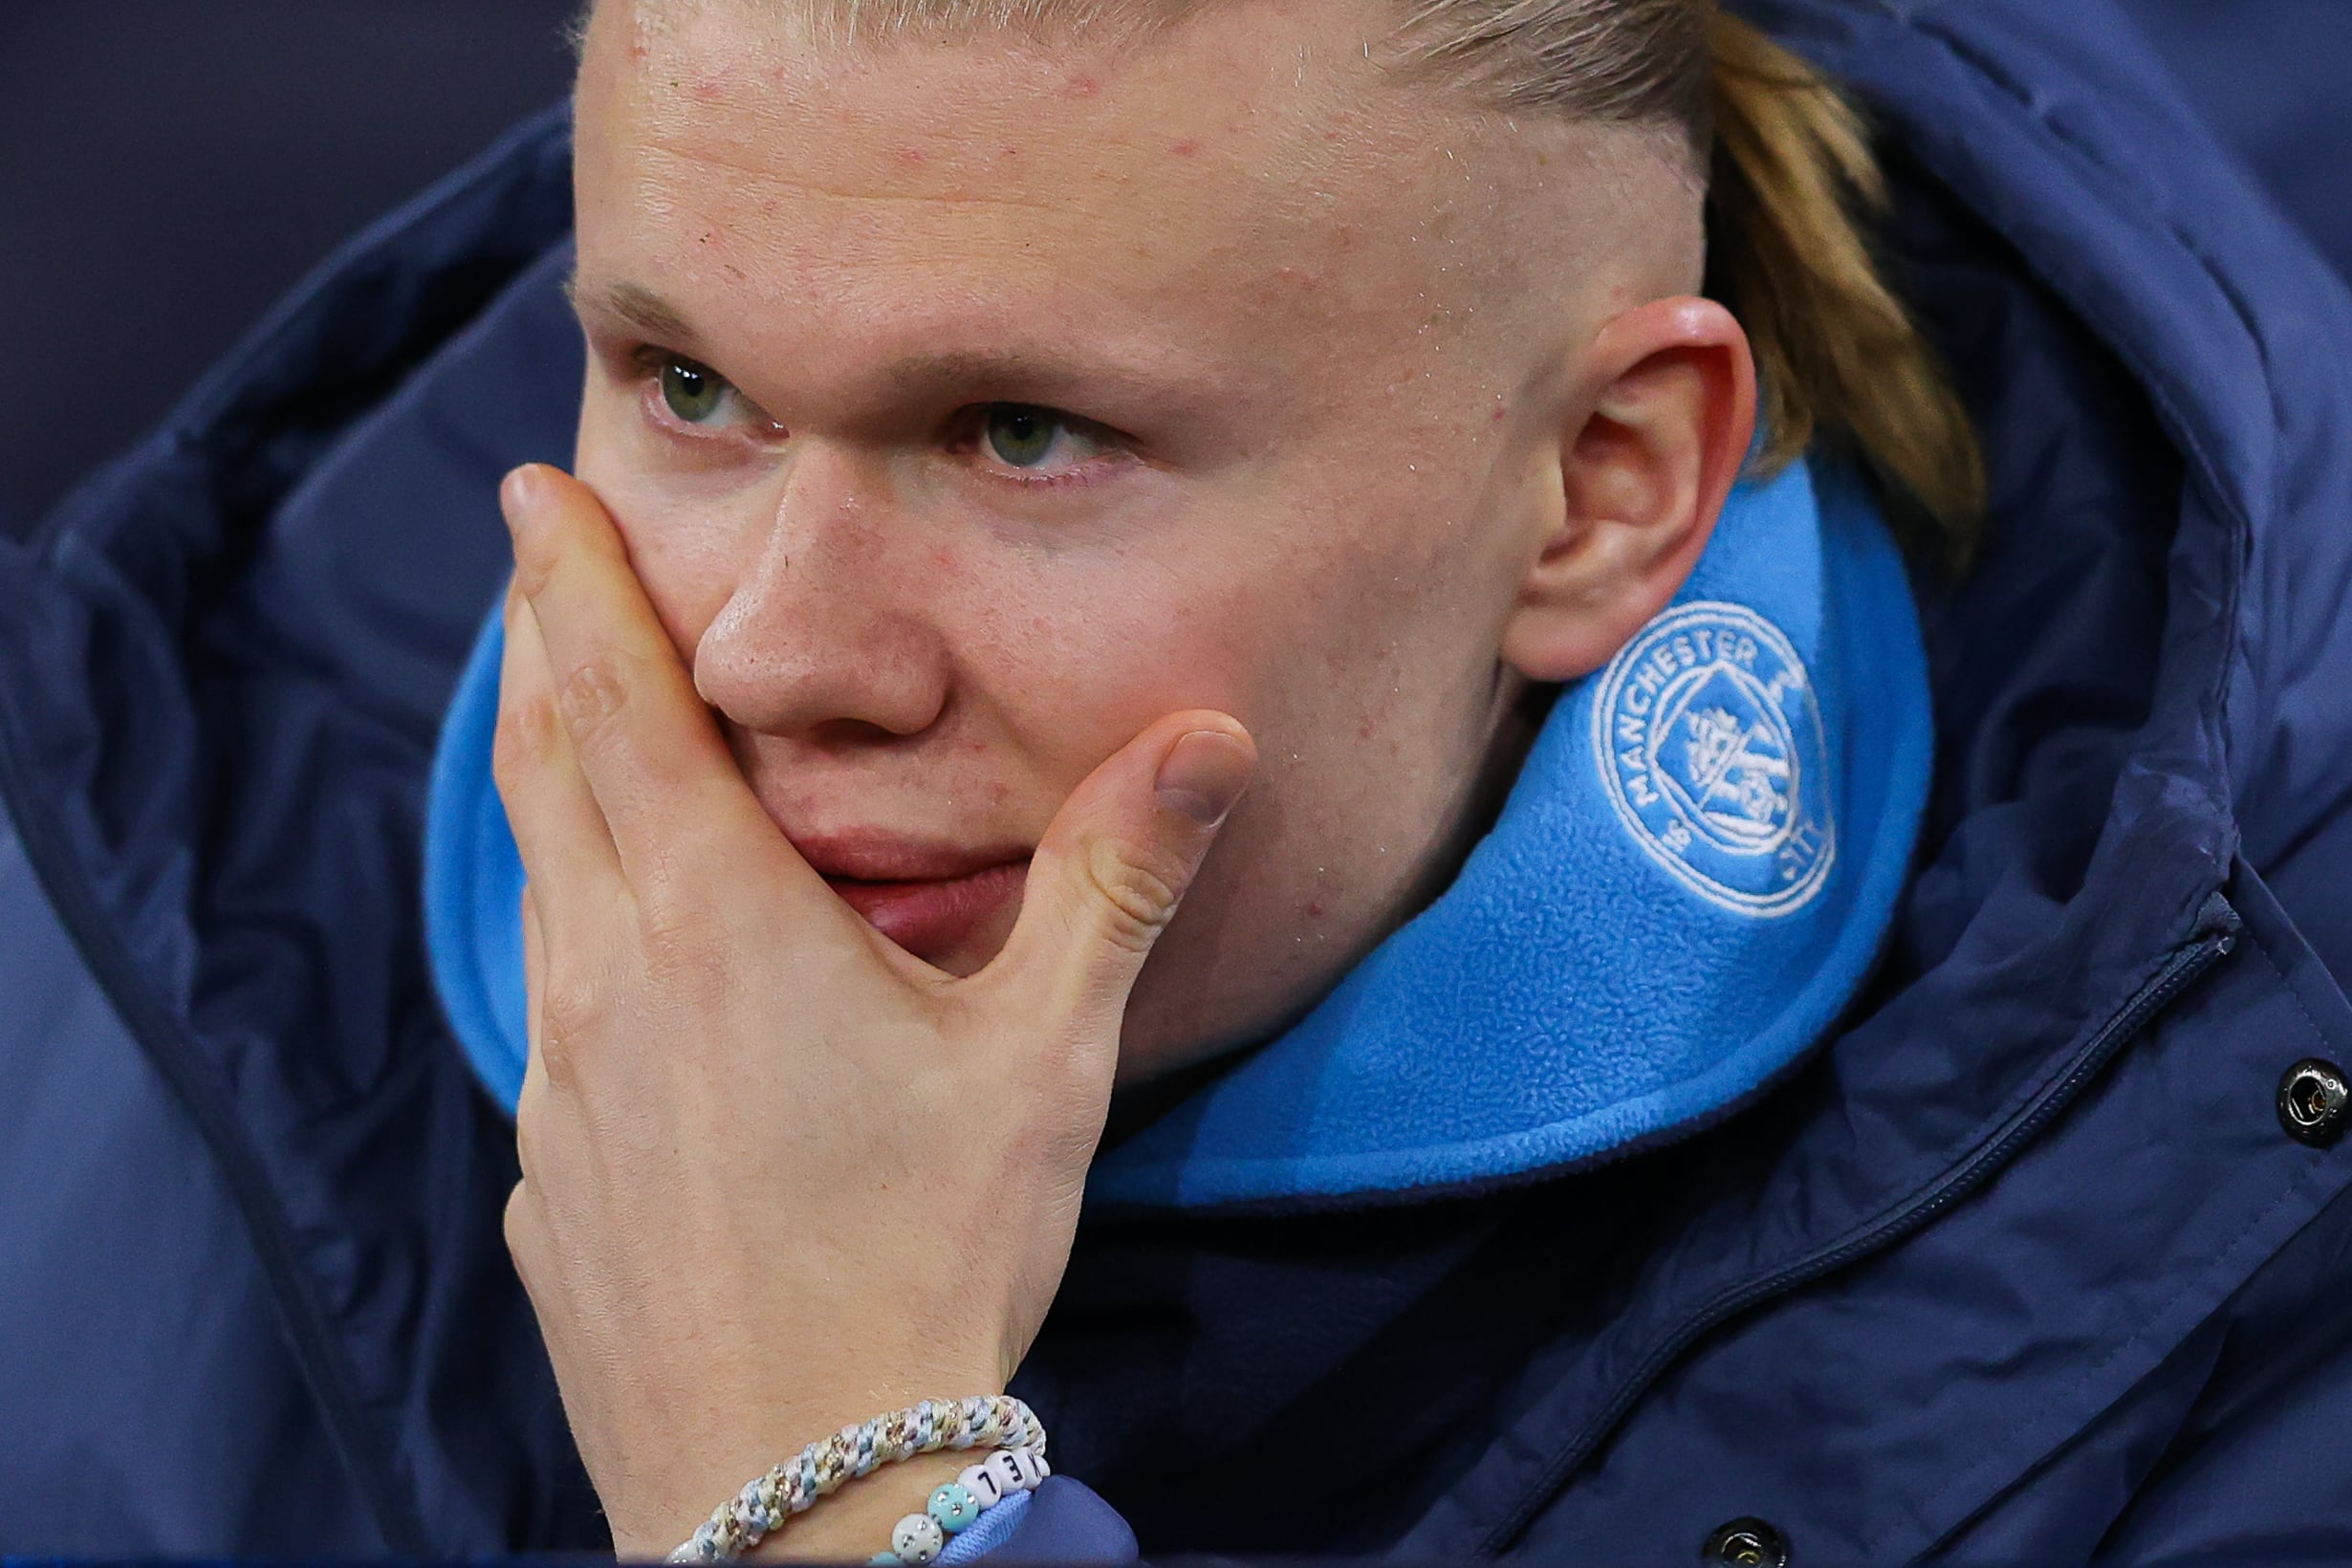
x: 930, y: 899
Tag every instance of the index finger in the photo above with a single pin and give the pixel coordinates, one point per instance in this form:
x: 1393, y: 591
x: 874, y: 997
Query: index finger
x: 646, y: 744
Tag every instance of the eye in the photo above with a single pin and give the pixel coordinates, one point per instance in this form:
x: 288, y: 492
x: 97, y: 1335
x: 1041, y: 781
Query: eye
x: 1025, y: 436
x: 695, y: 394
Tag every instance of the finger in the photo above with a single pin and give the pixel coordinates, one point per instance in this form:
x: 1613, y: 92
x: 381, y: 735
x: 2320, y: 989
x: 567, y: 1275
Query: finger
x: 534, y: 975
x: 1114, y: 865
x: 648, y: 747
x: 566, y: 848
x: 526, y: 1104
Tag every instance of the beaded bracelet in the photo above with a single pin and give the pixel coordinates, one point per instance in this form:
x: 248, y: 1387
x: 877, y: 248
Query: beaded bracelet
x: 957, y: 1505
x: 997, y: 1421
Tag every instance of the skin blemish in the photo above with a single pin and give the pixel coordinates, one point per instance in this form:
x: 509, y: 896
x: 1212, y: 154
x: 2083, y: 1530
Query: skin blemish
x: 911, y: 157
x: 1314, y: 908
x: 1188, y: 147
x: 1084, y: 87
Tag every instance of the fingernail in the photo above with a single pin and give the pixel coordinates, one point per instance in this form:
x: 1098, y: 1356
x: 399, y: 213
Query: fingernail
x: 518, y: 496
x: 1205, y: 772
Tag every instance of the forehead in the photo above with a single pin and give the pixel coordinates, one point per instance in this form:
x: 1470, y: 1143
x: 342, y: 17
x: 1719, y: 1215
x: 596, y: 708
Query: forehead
x: 1249, y: 164
x: 768, y: 87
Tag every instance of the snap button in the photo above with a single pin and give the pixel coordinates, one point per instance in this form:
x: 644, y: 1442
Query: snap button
x: 2312, y: 1100
x: 1747, y: 1543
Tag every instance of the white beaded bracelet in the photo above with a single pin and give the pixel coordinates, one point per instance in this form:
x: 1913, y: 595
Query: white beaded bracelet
x: 997, y: 1421
x: 957, y: 1505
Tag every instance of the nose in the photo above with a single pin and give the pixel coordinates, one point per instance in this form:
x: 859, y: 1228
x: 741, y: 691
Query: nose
x: 826, y: 634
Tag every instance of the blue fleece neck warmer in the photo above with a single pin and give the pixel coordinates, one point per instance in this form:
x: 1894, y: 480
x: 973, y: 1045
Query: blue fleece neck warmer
x: 1687, y: 883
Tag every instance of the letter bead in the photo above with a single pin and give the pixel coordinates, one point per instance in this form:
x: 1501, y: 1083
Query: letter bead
x: 1007, y: 1471
x: 981, y: 1483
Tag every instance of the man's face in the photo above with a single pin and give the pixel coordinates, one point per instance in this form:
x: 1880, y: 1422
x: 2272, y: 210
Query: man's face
x: 967, y: 407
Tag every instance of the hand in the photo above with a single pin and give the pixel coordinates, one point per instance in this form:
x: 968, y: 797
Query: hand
x: 778, y: 1175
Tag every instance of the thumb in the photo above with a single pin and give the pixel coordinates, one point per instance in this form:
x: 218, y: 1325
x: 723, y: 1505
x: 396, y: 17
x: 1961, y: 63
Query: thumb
x: 1114, y: 865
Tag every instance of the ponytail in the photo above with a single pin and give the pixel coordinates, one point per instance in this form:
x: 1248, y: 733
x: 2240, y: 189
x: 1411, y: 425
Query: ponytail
x: 1839, y: 358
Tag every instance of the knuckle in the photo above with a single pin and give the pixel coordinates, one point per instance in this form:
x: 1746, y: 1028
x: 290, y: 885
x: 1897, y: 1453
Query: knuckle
x: 523, y: 741
x: 592, y: 693
x: 1140, y: 896
x: 534, y: 562
x: 568, y: 1012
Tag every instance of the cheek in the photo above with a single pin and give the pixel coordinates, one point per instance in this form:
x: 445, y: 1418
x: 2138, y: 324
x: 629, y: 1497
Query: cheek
x: 1370, y: 655
x: 1306, y: 877
x: 690, y: 549
x: 1081, y: 653
x: 1321, y: 626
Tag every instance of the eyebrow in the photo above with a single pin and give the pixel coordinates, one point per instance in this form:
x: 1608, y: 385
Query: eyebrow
x: 1181, y: 392
x: 637, y: 306
x: 1042, y: 377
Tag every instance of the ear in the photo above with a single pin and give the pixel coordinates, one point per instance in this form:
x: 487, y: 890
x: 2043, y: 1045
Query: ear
x: 1649, y: 454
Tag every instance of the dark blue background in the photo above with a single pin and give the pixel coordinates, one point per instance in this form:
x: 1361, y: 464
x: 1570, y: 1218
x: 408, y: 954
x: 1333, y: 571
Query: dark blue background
x: 168, y: 168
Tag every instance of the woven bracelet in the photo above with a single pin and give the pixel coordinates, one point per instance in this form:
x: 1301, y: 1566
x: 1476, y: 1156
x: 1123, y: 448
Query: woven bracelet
x: 997, y: 1421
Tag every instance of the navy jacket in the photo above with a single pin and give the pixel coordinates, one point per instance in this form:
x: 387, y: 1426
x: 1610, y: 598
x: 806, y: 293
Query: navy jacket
x: 2022, y: 1265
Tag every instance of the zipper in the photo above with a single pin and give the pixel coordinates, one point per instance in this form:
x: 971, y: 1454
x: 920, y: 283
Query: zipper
x: 2214, y: 937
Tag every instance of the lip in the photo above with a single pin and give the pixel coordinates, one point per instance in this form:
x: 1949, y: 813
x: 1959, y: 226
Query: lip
x: 894, y: 858
x: 929, y: 898
x: 931, y: 918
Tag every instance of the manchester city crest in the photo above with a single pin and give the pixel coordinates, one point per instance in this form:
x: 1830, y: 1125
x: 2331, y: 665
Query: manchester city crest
x: 1709, y: 737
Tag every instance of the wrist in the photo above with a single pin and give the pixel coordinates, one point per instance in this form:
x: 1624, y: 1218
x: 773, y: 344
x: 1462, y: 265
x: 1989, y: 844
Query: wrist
x: 864, y: 1472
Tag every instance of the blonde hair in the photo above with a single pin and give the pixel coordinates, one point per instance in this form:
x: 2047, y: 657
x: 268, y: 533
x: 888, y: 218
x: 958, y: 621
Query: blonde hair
x: 1792, y: 188
x: 1792, y: 191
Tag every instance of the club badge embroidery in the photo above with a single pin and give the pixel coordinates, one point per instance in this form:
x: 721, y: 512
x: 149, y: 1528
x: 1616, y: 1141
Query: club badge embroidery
x: 1709, y: 737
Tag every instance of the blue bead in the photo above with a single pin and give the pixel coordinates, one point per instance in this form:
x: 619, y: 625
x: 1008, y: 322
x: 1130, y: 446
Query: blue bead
x: 954, y: 1506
